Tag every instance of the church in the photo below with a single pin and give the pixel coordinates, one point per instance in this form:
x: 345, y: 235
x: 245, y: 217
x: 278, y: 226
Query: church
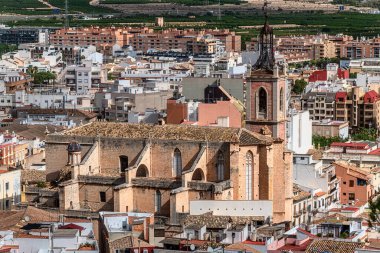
x: 160, y: 169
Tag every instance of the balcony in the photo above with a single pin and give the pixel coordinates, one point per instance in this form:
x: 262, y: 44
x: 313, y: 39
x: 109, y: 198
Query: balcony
x: 332, y: 178
x: 332, y: 190
x: 297, y: 213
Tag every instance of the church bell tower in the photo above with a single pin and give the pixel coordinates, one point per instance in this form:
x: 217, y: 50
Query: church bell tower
x: 266, y: 87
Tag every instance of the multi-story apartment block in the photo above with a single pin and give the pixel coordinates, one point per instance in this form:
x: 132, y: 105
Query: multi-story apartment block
x: 321, y: 105
x: 102, y: 38
x: 83, y: 77
x: 18, y: 36
x: 365, y: 48
x: 357, y: 107
x: 302, y: 48
x: 143, y: 39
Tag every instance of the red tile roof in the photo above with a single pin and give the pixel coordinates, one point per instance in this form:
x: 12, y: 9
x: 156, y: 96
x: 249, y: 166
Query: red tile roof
x: 319, y: 75
x: 354, y: 145
x: 319, y: 194
x: 291, y: 247
x: 319, y: 246
x: 341, y: 94
x: 72, y: 226
x: 370, y: 96
x: 305, y: 232
x: 375, y: 152
x: 253, y: 243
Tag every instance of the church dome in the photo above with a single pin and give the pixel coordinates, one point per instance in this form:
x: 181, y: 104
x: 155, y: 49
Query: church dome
x: 74, y: 147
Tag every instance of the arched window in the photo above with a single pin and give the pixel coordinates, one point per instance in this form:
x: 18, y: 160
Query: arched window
x: 123, y: 160
x: 220, y: 166
x: 157, y: 201
x: 261, y: 104
x: 198, y: 175
x: 248, y: 175
x: 281, y: 99
x: 142, y: 171
x: 177, y: 163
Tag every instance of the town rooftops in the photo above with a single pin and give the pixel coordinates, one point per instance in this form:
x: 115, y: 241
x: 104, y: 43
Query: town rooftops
x: 218, y: 221
x: 353, y: 170
x: 295, y: 247
x: 127, y: 242
x: 31, y: 132
x: 335, y: 218
x: 330, y: 123
x: 169, y: 132
x: 331, y: 246
x: 329, y: 96
x: 241, y: 247
x: 353, y: 145
x: 299, y: 194
x: 16, y: 219
x: 69, y: 112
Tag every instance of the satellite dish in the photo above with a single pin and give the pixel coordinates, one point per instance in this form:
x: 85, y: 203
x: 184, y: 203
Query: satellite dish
x: 27, y: 218
x: 192, y: 247
x: 210, y: 249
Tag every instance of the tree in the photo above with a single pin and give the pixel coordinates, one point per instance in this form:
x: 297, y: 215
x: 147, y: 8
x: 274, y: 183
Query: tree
x: 299, y: 86
x: 43, y: 77
x: 32, y: 71
x: 322, y: 141
x: 365, y: 134
x: 374, y: 211
x: 353, y: 75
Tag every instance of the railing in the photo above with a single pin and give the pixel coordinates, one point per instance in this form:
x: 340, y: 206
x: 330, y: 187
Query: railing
x: 332, y: 190
x: 332, y: 178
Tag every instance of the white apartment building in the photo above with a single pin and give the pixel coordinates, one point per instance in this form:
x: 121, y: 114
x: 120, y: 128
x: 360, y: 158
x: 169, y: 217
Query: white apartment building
x: 56, y: 237
x: 83, y: 77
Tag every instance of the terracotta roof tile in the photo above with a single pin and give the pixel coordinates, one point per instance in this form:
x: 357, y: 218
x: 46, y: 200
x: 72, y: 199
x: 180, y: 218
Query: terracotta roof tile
x: 319, y: 246
x: 169, y: 132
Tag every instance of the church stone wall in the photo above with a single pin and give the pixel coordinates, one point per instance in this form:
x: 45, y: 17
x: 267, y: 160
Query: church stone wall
x: 89, y: 196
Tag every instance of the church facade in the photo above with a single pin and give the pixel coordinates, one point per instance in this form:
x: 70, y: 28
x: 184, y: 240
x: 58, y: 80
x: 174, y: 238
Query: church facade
x: 160, y: 169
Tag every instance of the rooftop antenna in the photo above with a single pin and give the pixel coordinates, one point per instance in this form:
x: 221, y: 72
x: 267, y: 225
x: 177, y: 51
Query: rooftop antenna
x: 67, y: 14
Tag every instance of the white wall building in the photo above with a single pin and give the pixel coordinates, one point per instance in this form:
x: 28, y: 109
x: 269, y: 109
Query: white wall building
x: 299, y: 132
x: 10, y: 188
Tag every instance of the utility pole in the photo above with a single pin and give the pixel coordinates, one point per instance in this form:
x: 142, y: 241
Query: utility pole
x: 67, y: 14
